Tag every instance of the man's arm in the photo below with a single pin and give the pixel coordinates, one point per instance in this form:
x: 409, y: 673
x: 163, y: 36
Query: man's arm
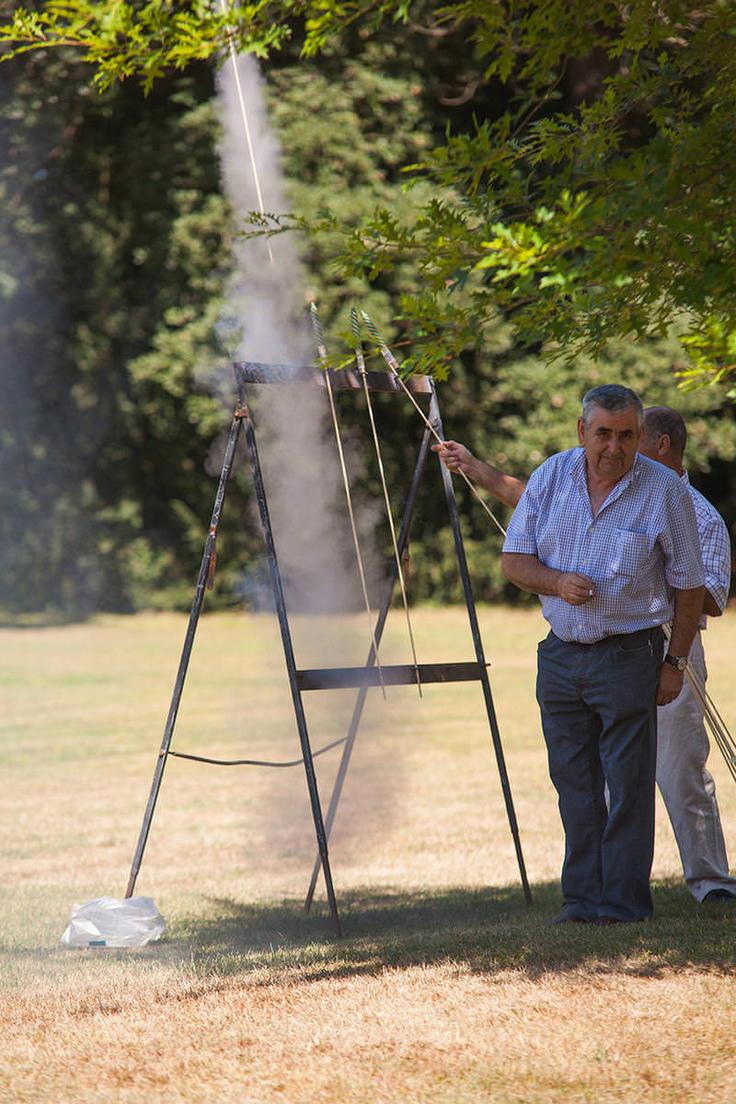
x: 681, y: 544
x: 688, y: 607
x: 457, y: 457
x: 716, y: 548
x: 526, y: 572
x: 710, y: 606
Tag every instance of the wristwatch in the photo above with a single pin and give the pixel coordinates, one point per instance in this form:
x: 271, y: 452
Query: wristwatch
x: 678, y: 662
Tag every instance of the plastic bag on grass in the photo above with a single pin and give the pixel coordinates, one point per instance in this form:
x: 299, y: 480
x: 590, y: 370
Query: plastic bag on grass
x: 111, y: 922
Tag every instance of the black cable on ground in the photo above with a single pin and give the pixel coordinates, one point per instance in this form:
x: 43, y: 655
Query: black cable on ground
x: 255, y: 762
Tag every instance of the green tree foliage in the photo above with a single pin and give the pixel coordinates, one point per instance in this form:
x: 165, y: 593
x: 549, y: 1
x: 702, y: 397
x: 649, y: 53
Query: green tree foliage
x: 369, y: 110
x: 116, y: 244
x: 347, y: 126
x: 148, y: 39
x: 596, y: 202
x: 113, y: 253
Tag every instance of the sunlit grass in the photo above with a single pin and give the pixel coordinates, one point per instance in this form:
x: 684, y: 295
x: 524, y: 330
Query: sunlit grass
x: 445, y: 988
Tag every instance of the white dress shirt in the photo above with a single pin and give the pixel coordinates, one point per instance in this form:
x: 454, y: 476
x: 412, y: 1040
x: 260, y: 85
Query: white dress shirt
x: 642, y: 543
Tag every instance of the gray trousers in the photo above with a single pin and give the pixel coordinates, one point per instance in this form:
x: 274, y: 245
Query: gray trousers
x: 688, y: 789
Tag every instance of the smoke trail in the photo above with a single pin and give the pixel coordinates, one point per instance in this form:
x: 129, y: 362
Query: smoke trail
x: 301, y: 474
x: 263, y: 295
x: 306, y: 498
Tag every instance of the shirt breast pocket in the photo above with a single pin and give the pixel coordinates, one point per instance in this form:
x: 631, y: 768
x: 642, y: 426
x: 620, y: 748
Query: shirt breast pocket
x: 631, y: 554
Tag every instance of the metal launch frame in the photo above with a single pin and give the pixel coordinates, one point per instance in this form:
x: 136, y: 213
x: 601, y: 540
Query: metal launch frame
x: 361, y: 678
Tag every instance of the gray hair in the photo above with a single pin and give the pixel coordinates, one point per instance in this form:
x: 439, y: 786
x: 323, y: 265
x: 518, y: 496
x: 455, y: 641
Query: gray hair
x: 614, y: 398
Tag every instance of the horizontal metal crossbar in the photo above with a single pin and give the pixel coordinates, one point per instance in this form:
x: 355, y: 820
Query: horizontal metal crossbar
x: 402, y: 674
x: 345, y: 380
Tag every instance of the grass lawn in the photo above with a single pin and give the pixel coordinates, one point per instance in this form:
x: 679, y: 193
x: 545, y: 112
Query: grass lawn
x: 446, y: 988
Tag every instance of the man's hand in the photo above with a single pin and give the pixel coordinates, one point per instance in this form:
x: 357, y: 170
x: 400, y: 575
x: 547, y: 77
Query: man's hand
x: 670, y: 684
x: 458, y: 458
x: 526, y: 572
x: 575, y: 589
x: 455, y: 457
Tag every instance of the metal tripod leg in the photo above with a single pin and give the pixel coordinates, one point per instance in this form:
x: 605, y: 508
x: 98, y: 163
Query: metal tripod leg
x: 434, y: 416
x: 380, y: 624
x: 205, y: 570
x: 296, y: 696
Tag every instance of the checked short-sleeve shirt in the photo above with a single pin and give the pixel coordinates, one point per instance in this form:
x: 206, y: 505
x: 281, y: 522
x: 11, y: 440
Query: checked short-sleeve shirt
x: 714, y: 544
x: 642, y: 543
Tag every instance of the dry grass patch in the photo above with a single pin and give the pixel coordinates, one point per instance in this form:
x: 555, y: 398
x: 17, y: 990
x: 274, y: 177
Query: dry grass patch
x: 439, y: 1033
x: 446, y: 988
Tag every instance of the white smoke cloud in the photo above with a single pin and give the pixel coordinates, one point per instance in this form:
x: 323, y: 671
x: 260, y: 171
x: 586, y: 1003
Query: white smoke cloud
x: 295, y: 434
x: 303, y: 482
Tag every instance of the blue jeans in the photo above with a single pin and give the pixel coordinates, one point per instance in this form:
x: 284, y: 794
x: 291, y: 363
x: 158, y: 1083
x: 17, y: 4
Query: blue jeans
x: 599, y: 717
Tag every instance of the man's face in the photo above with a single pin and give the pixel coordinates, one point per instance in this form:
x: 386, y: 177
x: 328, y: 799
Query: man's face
x: 610, y: 441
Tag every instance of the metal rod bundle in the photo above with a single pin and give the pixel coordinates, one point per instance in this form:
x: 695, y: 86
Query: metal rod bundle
x: 713, y: 719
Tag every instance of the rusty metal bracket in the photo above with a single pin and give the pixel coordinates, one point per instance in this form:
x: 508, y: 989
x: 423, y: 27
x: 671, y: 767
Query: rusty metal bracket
x: 211, y: 569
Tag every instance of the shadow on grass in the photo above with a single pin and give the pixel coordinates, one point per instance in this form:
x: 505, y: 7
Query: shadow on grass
x: 485, y: 930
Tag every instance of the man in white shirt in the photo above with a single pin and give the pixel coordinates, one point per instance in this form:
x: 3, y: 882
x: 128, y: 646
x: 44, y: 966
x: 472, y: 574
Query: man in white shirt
x: 686, y: 785
x: 608, y: 540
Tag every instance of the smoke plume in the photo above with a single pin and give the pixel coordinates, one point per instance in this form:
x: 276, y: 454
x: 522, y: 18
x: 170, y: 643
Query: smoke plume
x: 300, y: 463
x: 295, y: 435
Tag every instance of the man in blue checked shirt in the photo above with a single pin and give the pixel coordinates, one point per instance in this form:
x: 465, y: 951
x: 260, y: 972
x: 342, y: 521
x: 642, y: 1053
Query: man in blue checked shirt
x: 609, y: 541
x: 686, y: 785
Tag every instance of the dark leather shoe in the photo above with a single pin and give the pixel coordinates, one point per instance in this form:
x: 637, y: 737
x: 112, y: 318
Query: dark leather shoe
x: 606, y: 921
x: 719, y: 897
x: 565, y: 918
